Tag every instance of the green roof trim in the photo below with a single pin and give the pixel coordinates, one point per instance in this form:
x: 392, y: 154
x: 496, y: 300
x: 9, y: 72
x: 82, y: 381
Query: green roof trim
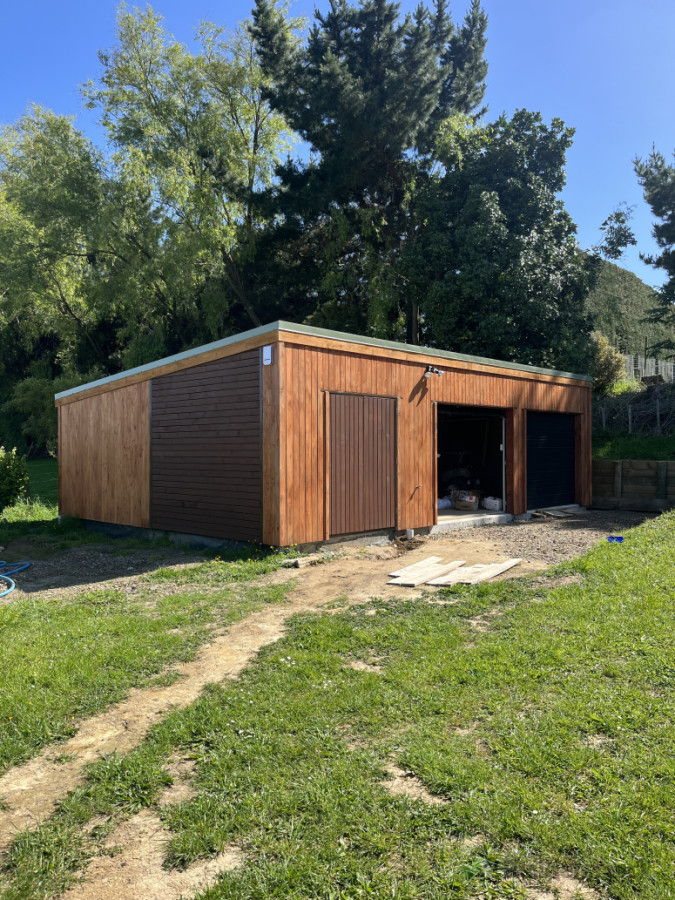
x: 316, y: 332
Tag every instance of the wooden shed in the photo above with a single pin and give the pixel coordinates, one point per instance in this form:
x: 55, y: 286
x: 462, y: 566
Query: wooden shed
x: 289, y: 435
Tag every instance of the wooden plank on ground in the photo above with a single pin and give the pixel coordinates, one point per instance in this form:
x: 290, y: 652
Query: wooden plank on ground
x: 416, y: 566
x: 490, y: 571
x: 424, y: 575
x: 474, y: 574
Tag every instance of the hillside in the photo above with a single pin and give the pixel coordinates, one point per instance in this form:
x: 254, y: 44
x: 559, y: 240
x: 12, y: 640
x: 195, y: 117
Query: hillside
x: 618, y: 304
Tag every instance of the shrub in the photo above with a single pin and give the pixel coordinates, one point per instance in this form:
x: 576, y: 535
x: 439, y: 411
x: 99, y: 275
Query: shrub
x: 608, y: 364
x: 13, y: 477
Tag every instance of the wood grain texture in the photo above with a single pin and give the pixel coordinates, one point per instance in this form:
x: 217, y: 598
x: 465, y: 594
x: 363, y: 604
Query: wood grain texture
x: 316, y: 366
x: 207, y: 456
x: 362, y: 470
x: 104, y: 457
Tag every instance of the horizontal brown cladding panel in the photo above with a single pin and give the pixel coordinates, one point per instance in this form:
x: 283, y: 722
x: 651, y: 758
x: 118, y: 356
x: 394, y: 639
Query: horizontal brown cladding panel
x: 199, y: 391
x: 166, y: 460
x: 195, y: 515
x: 165, y: 466
x: 218, y: 436
x: 206, y: 449
x: 234, y: 529
x: 219, y: 420
x: 190, y: 383
x: 202, y: 492
x: 226, y: 408
x: 194, y: 512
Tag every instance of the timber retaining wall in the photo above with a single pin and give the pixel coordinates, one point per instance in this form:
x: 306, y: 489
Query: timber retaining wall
x: 633, y: 484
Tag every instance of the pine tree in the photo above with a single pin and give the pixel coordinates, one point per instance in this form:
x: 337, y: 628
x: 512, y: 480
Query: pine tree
x: 367, y: 92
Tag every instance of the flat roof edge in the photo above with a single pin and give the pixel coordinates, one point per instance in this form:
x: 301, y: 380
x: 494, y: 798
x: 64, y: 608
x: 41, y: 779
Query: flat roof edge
x: 315, y: 332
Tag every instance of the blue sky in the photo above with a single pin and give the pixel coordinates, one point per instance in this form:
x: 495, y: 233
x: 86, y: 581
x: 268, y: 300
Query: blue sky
x: 606, y: 67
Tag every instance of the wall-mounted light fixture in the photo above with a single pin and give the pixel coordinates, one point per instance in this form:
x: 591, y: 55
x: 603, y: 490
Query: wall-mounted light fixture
x: 432, y: 370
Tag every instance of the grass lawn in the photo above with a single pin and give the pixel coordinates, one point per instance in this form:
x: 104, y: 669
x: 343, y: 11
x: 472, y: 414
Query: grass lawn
x: 541, y: 717
x: 44, y: 484
x: 609, y: 446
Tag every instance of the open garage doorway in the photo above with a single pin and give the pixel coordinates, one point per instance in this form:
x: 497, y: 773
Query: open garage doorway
x: 470, y: 461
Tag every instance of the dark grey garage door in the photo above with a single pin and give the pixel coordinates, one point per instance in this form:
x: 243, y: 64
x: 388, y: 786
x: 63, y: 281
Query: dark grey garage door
x: 550, y: 459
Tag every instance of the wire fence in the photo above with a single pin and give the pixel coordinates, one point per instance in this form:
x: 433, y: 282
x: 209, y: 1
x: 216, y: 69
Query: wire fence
x: 639, y: 367
x: 651, y: 414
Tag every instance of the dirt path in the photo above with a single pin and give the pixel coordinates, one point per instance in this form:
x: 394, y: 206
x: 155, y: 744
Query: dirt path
x: 30, y: 792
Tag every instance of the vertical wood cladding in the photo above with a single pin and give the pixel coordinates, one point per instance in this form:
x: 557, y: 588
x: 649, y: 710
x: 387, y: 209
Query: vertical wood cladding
x: 206, y: 458
x: 362, y: 468
x: 104, y: 457
x: 312, y: 366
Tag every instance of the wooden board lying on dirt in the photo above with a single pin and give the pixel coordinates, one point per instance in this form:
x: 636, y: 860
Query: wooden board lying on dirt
x: 416, y: 567
x: 423, y: 575
x: 473, y: 574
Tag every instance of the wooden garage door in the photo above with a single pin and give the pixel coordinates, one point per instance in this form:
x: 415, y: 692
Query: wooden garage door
x: 550, y: 459
x: 362, y: 468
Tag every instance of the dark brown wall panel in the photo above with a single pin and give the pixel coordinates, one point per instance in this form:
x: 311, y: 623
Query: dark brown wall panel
x: 206, y: 460
x: 362, y: 435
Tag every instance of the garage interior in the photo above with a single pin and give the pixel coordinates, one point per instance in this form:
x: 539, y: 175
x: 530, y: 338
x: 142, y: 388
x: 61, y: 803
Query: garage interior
x: 470, y: 456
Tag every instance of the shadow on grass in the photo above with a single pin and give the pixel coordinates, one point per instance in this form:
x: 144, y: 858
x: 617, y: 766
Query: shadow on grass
x: 67, y: 553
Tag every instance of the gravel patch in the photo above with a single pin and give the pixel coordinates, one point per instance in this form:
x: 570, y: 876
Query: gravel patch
x: 555, y: 540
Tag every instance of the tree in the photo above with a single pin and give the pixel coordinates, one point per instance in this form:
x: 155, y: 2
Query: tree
x: 112, y: 257
x: 657, y: 179
x: 193, y: 134
x: 368, y: 94
x: 494, y: 263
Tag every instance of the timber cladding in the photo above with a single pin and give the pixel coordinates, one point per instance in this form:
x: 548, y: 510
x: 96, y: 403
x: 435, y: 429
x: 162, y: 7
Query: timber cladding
x: 232, y: 442
x: 104, y: 457
x: 206, y: 456
x: 310, y: 369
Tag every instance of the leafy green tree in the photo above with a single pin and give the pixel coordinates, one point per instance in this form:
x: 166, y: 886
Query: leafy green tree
x: 494, y: 264
x: 193, y: 134
x: 50, y: 194
x: 657, y: 178
x: 368, y: 93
